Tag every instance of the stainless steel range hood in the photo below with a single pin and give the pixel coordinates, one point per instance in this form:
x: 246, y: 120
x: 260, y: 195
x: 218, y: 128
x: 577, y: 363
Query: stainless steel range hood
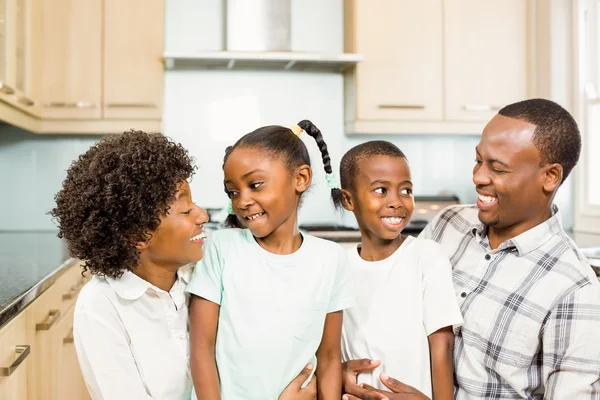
x: 258, y: 36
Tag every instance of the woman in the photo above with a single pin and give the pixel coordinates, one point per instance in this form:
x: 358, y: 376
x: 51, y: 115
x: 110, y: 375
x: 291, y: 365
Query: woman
x: 126, y: 209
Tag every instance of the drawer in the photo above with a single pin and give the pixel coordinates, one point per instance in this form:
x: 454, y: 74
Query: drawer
x: 15, y: 359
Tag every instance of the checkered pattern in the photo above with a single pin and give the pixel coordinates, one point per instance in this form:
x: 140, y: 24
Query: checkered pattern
x: 531, y: 309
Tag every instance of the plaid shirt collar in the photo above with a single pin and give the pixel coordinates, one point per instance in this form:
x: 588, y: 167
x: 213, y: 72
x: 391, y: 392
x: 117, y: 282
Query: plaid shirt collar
x: 527, y: 241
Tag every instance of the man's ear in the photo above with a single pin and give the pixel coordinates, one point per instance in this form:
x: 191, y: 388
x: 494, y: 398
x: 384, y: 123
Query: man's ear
x: 553, y: 174
x: 347, y: 200
x: 303, y: 178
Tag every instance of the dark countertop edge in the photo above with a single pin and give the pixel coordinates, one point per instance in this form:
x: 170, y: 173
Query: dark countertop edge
x: 17, y: 305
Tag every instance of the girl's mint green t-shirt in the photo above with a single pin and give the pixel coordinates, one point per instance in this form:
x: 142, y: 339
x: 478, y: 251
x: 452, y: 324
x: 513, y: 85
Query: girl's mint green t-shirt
x: 273, y: 308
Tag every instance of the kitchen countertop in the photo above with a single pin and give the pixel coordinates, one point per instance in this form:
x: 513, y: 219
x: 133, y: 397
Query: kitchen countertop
x: 29, y: 264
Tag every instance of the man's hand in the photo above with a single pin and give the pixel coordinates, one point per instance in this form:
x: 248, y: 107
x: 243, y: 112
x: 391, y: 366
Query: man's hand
x: 295, y: 391
x: 399, y: 391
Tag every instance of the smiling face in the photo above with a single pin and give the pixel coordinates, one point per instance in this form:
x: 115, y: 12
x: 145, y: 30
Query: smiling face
x: 264, y: 192
x: 179, y: 238
x: 515, y: 190
x: 381, y: 197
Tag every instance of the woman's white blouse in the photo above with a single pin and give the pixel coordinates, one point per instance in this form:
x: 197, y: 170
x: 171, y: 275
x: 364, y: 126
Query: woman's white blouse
x: 132, y: 338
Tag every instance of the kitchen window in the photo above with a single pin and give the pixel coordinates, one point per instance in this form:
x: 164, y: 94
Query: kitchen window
x: 587, y: 102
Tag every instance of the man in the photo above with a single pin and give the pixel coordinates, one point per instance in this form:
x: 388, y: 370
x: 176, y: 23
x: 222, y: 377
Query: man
x: 530, y: 301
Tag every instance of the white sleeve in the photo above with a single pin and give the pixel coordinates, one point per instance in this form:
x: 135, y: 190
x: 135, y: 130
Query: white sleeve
x: 439, y: 300
x: 342, y: 296
x: 107, y: 364
x: 206, y: 281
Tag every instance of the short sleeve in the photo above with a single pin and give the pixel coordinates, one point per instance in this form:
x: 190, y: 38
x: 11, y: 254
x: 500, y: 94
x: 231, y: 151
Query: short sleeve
x: 440, y: 308
x: 206, y: 281
x: 342, y: 295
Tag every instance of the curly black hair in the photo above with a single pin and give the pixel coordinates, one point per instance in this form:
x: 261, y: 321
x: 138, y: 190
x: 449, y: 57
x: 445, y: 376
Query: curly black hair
x: 556, y: 135
x: 114, y: 195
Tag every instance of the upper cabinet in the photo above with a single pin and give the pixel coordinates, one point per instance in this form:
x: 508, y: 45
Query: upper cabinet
x: 67, y: 45
x: 434, y: 66
x: 81, y: 66
x: 485, y: 57
x: 133, y: 66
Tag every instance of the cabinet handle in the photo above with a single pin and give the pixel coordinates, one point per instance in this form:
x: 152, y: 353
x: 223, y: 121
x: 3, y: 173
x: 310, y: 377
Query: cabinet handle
x: 54, y: 315
x: 26, y: 101
x: 77, y: 104
x: 131, y: 105
x: 4, y: 88
x: 69, y: 338
x: 23, y: 352
x: 402, y: 106
x: 480, y: 107
x: 70, y: 294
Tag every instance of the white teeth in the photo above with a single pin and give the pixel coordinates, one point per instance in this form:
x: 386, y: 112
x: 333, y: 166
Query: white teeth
x: 392, y: 220
x: 252, y: 217
x: 487, y: 199
x: 201, y: 235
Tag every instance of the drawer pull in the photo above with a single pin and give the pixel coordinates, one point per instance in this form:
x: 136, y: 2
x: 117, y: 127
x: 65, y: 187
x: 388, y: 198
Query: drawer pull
x: 23, y: 352
x: 77, y: 104
x: 26, y: 101
x: 131, y: 105
x: 4, y: 88
x: 54, y: 315
x: 402, y: 106
x: 70, y: 295
x: 480, y: 107
x: 69, y: 338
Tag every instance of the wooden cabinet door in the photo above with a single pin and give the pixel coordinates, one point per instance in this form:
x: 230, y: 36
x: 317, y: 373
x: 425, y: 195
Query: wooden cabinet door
x: 401, y: 75
x: 15, y: 351
x: 67, y: 50
x: 133, y: 67
x: 68, y: 380
x: 486, y: 44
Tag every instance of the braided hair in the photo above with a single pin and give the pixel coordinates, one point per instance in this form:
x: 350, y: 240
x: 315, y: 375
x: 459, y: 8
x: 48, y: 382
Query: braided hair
x: 282, y: 142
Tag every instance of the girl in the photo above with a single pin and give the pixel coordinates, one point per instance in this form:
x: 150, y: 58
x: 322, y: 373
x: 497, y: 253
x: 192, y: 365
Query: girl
x: 405, y: 304
x: 275, y: 295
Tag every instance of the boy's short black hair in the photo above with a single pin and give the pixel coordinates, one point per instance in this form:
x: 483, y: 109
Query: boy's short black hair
x: 114, y: 195
x: 353, y: 159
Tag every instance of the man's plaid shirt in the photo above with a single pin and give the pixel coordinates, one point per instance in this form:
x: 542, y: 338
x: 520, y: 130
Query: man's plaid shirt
x: 531, y: 311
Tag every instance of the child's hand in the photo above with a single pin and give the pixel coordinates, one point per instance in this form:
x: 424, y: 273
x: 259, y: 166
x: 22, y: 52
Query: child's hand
x: 399, y: 391
x: 295, y: 391
x: 351, y: 369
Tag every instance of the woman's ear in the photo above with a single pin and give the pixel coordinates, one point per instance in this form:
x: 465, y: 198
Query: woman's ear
x: 303, y: 178
x: 347, y: 200
x: 143, y: 245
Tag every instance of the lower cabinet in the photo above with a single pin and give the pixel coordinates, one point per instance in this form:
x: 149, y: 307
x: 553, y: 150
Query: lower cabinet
x: 37, y: 353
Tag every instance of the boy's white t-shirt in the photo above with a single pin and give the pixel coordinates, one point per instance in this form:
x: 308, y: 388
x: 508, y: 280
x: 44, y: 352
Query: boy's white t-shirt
x: 273, y: 308
x: 399, y: 301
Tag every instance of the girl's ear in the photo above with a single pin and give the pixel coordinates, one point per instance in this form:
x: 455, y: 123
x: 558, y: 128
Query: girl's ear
x: 347, y: 200
x: 302, y: 178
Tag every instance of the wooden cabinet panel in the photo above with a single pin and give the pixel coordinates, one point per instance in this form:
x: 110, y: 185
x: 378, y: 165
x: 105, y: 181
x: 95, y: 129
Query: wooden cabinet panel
x: 485, y: 57
x: 133, y: 67
x: 15, y: 358
x: 67, y: 43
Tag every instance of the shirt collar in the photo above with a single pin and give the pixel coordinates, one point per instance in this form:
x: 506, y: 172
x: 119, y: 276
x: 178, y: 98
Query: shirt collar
x: 131, y: 287
x: 529, y: 240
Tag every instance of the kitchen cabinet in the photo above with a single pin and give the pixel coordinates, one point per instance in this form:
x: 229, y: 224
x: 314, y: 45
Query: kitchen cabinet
x: 67, y: 43
x: 133, y: 66
x: 15, y: 358
x: 37, y: 354
x: 401, y: 75
x: 82, y: 66
x: 435, y: 66
x: 486, y: 47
